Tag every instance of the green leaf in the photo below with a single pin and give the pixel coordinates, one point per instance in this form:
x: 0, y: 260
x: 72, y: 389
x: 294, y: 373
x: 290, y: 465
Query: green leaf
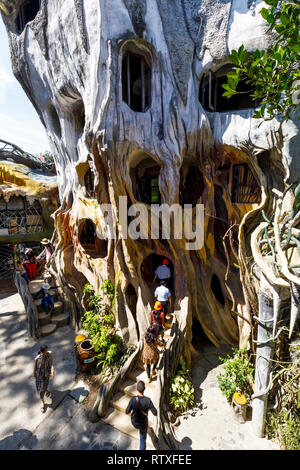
x: 284, y: 18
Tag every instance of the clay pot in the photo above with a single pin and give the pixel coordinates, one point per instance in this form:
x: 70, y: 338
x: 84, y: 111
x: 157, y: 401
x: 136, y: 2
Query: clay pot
x: 85, y: 355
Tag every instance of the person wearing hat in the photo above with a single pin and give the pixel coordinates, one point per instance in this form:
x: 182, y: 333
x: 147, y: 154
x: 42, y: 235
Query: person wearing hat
x: 30, y: 264
x: 47, y: 301
x: 157, y: 318
x: 163, y: 295
x: 48, y: 248
x: 163, y: 272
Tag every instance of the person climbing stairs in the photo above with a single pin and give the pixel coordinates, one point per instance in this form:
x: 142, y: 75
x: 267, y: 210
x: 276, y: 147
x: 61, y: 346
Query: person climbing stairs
x: 115, y: 415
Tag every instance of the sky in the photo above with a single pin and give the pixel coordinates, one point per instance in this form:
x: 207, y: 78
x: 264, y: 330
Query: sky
x: 19, y: 122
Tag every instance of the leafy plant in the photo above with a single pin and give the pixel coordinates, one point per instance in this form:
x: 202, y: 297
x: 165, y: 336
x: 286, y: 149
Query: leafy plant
x: 285, y: 430
x: 274, y: 73
x: 283, y: 421
x: 181, y: 391
x: 99, y: 323
x: 238, y: 376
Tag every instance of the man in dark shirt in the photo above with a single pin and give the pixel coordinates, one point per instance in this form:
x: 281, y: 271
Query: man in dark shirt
x: 140, y: 405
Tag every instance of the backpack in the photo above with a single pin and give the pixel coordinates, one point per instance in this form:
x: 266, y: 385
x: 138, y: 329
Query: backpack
x: 157, y: 323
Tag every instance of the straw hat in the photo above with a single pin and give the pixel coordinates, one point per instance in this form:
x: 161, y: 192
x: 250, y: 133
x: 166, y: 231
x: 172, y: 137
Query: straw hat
x: 45, y: 241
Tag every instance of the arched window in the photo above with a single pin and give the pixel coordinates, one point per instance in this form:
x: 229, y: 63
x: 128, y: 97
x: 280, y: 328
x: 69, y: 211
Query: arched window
x: 144, y: 177
x: 27, y: 12
x: 136, y: 82
x: 211, y: 91
x: 94, y: 246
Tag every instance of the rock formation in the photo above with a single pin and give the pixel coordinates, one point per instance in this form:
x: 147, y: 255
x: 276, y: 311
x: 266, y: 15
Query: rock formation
x: 130, y: 95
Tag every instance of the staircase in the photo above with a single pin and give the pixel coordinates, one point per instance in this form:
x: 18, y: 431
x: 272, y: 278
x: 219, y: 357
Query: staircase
x: 115, y: 415
x: 49, y: 323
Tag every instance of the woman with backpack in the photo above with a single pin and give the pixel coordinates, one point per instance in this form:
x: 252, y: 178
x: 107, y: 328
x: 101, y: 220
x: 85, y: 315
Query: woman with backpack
x: 150, y: 355
x: 157, y: 319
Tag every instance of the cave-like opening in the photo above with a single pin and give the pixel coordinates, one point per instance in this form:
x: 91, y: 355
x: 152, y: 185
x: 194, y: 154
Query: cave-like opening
x: 94, y: 246
x: 199, y: 339
x: 149, y: 265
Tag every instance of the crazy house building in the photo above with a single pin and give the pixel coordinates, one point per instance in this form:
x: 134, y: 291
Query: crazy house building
x: 130, y: 94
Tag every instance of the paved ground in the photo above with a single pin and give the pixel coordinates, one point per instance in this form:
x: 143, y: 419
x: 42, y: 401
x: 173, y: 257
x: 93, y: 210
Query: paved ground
x: 64, y: 425
x: 212, y: 425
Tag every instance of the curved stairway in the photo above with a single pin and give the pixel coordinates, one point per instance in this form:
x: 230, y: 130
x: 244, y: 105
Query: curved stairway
x: 115, y: 415
x: 49, y: 323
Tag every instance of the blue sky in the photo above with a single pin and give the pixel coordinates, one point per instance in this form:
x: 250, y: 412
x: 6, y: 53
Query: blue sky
x: 19, y: 122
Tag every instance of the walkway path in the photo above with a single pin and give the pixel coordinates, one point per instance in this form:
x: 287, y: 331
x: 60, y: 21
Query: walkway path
x: 212, y: 424
x: 64, y: 425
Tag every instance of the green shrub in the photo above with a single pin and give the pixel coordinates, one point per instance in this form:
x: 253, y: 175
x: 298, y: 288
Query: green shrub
x: 181, y: 391
x: 99, y: 323
x: 238, y: 376
x: 284, y: 429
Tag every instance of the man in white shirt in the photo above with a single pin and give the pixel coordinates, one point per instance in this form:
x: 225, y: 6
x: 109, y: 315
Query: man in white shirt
x: 163, y: 272
x: 163, y: 295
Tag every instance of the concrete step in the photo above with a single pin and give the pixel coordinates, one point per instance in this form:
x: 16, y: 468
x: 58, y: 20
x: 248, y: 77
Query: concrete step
x: 122, y: 422
x: 44, y: 318
x: 129, y: 388
x: 120, y: 401
x: 58, y: 306
x: 47, y: 329
x: 35, y: 286
x: 140, y: 374
x: 60, y: 319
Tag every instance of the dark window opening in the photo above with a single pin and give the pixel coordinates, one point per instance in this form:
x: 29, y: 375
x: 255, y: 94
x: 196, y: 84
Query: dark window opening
x: 211, y: 91
x: 136, y: 82
x: 89, y: 183
x: 27, y: 13
x: 145, y: 183
x: 192, y: 187
x: 244, y: 186
x: 199, y: 338
x: 94, y: 246
x: 149, y: 266
x: 216, y: 288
